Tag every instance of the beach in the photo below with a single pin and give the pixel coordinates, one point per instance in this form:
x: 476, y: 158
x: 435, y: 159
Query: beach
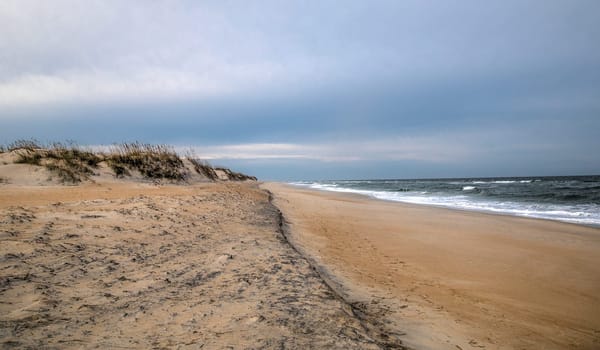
x: 126, y: 264
x: 275, y: 175
x: 449, y: 279
x: 212, y: 259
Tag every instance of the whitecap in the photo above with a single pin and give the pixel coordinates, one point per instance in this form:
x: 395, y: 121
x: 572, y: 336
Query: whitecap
x: 587, y: 214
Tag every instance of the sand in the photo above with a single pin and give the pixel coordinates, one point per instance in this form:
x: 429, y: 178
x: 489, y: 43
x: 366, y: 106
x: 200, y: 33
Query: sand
x: 447, y: 279
x: 127, y: 263
x: 119, y: 264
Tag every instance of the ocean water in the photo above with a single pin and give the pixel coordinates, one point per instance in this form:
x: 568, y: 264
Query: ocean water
x: 574, y: 199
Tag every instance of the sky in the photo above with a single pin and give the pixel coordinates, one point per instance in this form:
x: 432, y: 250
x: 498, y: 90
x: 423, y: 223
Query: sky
x: 308, y: 90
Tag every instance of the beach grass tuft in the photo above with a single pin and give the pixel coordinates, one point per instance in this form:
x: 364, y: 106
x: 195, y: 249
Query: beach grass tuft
x: 71, y: 163
x: 232, y: 175
x: 23, y: 144
x: 152, y: 161
x: 202, y: 167
x: 73, y: 154
x: 29, y: 157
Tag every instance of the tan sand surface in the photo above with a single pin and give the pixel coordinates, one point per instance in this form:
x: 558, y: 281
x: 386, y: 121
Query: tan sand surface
x: 453, y: 279
x: 131, y: 265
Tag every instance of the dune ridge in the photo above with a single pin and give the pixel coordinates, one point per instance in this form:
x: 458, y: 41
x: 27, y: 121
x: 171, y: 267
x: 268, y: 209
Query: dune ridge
x: 67, y: 163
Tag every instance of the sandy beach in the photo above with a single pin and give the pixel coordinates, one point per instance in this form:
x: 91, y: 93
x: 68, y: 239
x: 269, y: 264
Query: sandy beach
x: 448, y: 279
x: 220, y: 261
x: 138, y: 265
x: 248, y: 175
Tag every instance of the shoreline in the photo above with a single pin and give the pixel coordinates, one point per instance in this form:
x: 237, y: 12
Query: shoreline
x: 476, y: 279
x: 438, y: 206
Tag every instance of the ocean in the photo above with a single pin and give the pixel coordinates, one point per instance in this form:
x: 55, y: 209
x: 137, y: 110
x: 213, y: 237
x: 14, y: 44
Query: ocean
x: 574, y: 199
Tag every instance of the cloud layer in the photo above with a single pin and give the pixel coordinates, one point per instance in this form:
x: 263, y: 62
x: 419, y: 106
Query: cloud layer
x: 324, y: 81
x: 98, y: 51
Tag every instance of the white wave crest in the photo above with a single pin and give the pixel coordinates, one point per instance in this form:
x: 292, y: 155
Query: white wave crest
x: 586, y: 214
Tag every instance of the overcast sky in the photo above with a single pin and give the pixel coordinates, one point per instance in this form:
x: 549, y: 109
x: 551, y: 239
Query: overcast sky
x: 295, y: 90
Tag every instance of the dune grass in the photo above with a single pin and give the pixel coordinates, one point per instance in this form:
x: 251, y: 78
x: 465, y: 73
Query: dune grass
x: 29, y: 151
x: 29, y: 157
x: 73, y: 164
x: 232, y: 175
x: 29, y: 145
x: 152, y: 161
x: 202, y: 167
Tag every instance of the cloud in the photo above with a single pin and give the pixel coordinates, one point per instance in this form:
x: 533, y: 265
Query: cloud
x: 257, y: 151
x: 71, y: 52
x: 425, y: 149
x: 134, y: 86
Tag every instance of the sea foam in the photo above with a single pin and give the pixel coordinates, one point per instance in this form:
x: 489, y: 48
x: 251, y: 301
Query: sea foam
x: 535, y: 198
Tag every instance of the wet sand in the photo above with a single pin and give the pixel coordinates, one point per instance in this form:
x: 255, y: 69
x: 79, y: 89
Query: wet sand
x: 447, y: 279
x: 133, y: 265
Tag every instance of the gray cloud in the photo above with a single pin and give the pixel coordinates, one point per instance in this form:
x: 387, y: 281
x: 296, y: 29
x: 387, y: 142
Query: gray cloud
x: 403, y: 82
x: 74, y: 52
